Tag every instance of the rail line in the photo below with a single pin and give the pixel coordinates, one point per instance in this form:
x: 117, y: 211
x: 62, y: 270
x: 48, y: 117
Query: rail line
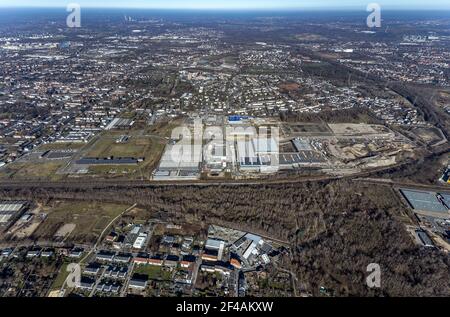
x: 87, y: 183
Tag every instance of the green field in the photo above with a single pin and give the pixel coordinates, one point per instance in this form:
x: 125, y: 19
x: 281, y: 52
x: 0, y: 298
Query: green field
x: 150, y: 148
x: 61, y: 146
x: 107, y: 146
x: 32, y: 170
x: 153, y: 272
x: 89, y: 218
x: 61, y: 278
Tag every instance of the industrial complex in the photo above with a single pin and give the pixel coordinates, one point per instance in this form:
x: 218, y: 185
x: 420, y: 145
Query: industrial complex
x: 432, y: 210
x: 244, y: 147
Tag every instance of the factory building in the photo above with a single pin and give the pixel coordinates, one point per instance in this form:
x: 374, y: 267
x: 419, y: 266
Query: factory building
x: 216, y: 155
x: 180, y: 161
x: 10, y: 211
x: 258, y: 155
x: 110, y: 161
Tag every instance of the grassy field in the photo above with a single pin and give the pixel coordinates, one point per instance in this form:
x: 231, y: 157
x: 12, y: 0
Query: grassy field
x: 137, y: 146
x: 61, y: 146
x: 90, y: 219
x: 107, y: 146
x: 147, y: 142
x: 61, y: 278
x: 164, y: 129
x: 32, y: 170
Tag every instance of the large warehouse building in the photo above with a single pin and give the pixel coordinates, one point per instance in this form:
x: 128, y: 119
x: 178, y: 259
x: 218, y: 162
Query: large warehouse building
x: 258, y: 154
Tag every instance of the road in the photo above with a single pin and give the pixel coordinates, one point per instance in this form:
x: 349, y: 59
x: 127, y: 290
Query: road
x: 100, y: 238
x: 123, y: 291
x: 196, y: 269
x: 78, y: 155
x: 294, y: 279
x: 96, y: 283
x: 389, y: 182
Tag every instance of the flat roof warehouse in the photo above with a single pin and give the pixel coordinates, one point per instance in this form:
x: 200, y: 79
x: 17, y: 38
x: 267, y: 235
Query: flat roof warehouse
x: 6, y: 206
x: 427, y: 201
x: 11, y: 210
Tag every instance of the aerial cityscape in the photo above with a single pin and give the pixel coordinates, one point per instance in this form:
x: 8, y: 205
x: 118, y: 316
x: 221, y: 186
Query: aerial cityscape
x: 224, y: 150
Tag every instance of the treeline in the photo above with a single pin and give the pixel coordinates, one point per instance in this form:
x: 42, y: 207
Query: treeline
x: 425, y: 170
x: 423, y: 101
x: 353, y: 115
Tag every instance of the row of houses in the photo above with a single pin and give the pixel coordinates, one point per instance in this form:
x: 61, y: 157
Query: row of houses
x: 170, y: 260
x: 40, y: 253
x: 106, y: 256
x: 217, y: 267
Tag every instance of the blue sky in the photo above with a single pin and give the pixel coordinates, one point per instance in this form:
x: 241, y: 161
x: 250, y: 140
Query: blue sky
x: 237, y: 4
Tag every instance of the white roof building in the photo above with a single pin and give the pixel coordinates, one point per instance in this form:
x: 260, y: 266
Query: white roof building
x: 139, y: 243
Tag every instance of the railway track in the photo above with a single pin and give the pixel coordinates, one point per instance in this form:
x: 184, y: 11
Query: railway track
x: 117, y: 183
x: 146, y: 183
x: 398, y: 184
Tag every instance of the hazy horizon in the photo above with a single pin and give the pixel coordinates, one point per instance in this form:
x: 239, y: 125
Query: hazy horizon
x: 322, y: 5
